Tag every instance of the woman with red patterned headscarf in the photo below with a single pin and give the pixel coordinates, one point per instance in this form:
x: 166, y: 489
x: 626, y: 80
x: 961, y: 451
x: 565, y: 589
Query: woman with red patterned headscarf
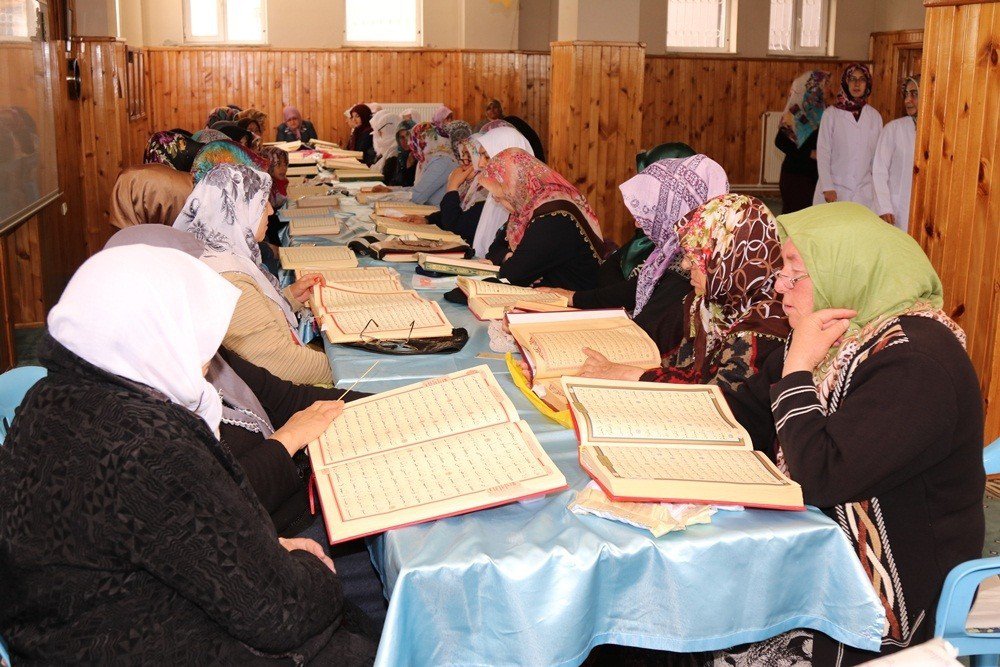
x: 552, y: 237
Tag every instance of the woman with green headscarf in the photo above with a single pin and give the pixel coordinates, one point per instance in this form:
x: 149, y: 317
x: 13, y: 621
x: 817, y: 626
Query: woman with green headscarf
x: 874, y: 408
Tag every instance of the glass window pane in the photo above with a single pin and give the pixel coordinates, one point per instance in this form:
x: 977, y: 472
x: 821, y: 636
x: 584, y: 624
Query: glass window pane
x: 386, y: 21
x: 244, y: 20
x: 204, y: 18
x: 811, y: 31
x: 697, y: 23
x: 780, y: 28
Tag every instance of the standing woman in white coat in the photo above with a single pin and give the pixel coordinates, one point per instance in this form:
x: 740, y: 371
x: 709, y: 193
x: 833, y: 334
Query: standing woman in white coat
x: 848, y: 134
x: 892, y: 170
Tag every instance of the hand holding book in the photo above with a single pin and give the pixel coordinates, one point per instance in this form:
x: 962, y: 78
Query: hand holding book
x: 600, y: 367
x: 306, y: 425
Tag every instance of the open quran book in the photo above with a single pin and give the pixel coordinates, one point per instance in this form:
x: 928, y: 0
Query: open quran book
x: 394, y: 227
x: 491, y: 301
x: 317, y: 257
x: 367, y: 196
x: 362, y: 174
x: 458, y: 267
x: 342, y: 163
x: 348, y: 315
x: 302, y: 158
x: 306, y: 212
x: 296, y: 192
x: 647, y: 441
x: 441, y: 447
x: 552, y: 345
x: 303, y: 170
x: 287, y: 146
x: 395, y: 209
x: 406, y: 249
x: 318, y: 201
x: 314, y: 226
x: 367, y: 279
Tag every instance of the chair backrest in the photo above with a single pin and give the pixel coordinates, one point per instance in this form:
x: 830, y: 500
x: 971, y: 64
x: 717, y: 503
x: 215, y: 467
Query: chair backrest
x: 991, y: 458
x: 14, y: 384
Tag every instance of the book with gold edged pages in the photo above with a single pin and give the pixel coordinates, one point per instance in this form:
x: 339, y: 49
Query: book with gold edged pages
x: 350, y: 315
x: 438, y: 448
x: 316, y: 257
x: 489, y: 300
x: 552, y: 345
x: 661, y: 442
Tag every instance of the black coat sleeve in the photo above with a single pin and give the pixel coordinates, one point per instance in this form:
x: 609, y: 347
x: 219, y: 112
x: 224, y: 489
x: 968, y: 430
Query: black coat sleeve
x: 453, y: 219
x: 750, y: 402
x: 899, y: 415
x: 280, y: 398
x: 554, y: 242
x: 367, y: 147
x: 186, y: 521
x: 784, y: 144
x: 620, y: 294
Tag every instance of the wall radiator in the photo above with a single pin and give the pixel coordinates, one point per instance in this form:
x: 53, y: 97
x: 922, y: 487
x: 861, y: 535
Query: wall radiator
x: 770, y: 157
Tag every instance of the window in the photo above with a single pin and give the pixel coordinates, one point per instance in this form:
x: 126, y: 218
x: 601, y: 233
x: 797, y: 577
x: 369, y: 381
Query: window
x: 700, y: 25
x: 383, y: 23
x: 225, y: 21
x: 799, y: 27
x: 17, y: 20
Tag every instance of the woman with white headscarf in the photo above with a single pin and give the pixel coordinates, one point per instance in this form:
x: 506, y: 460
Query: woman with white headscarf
x: 120, y: 497
x: 384, y: 124
x: 492, y: 142
x: 228, y: 212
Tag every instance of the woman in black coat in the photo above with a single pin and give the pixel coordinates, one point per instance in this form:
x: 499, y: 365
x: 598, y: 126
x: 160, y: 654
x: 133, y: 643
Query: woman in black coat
x: 127, y: 528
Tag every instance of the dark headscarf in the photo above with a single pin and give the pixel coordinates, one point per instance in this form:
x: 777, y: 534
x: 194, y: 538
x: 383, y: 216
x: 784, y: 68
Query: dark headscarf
x: 237, y: 134
x: 172, y: 149
x: 362, y: 130
x: 672, y: 150
x: 221, y: 113
x: 528, y: 133
x: 844, y: 99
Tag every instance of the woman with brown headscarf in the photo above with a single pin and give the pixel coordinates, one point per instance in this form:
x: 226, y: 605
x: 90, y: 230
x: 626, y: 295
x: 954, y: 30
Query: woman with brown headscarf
x: 149, y: 194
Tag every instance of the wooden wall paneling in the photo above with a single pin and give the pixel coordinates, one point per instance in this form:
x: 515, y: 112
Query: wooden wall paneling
x: 594, y: 137
x: 22, y: 250
x: 955, y: 199
x: 884, y: 52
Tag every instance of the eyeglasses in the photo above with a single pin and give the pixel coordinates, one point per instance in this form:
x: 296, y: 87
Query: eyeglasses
x: 387, y: 344
x: 910, y: 93
x: 786, y: 282
x: 857, y: 79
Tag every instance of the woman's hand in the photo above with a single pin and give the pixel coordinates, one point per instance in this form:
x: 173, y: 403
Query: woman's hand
x: 380, y: 188
x: 301, y: 289
x: 560, y: 291
x: 415, y: 219
x: 307, y: 425
x: 813, y: 338
x: 830, y: 196
x: 599, y: 366
x: 459, y: 175
x: 306, y: 544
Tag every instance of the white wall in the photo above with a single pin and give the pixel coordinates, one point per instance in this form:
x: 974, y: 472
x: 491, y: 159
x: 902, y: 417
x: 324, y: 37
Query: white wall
x: 538, y: 24
x: 599, y: 20
x: 96, y: 18
x: 853, y: 25
x: 898, y: 15
x: 448, y: 24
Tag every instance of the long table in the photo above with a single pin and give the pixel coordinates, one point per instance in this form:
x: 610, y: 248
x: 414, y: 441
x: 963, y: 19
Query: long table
x: 534, y: 584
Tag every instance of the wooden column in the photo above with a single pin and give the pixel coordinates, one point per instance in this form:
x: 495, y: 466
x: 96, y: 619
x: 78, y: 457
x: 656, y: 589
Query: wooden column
x: 956, y: 190
x: 595, y: 123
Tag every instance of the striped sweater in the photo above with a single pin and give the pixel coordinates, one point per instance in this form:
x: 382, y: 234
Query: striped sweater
x: 260, y: 334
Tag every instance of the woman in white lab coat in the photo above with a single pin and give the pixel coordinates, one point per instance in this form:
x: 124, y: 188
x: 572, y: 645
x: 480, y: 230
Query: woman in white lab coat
x: 845, y: 148
x: 892, y: 170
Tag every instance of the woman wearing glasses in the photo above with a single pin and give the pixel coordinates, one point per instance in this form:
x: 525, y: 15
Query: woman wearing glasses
x: 875, y: 410
x: 845, y: 147
x: 733, y: 319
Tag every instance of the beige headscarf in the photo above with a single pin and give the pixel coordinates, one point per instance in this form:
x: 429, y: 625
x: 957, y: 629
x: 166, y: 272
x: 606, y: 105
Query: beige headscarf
x: 149, y: 194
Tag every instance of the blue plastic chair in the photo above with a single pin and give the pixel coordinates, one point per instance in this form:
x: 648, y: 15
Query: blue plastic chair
x: 14, y: 384
x: 959, y: 591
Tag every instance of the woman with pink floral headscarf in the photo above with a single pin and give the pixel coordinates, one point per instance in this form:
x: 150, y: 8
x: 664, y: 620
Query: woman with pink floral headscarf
x: 552, y: 237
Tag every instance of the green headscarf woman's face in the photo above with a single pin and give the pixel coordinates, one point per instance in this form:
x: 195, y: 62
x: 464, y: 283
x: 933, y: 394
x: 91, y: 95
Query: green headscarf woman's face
x: 855, y: 260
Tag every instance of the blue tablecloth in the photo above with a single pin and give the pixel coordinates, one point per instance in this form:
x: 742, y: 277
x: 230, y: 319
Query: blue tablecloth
x: 534, y: 584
